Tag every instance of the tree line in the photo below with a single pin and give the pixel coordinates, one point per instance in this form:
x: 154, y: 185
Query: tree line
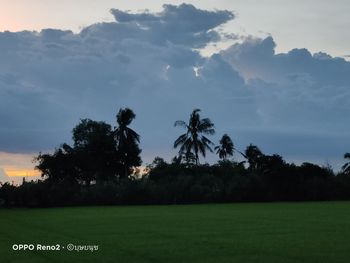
x: 101, y: 167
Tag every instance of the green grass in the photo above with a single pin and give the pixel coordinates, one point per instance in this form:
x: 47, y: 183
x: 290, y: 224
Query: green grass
x: 256, y: 232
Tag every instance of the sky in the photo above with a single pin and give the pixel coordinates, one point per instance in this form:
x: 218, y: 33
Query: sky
x: 272, y: 73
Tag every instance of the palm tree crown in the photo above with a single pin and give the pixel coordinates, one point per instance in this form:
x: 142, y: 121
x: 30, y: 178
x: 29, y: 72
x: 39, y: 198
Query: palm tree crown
x: 225, y: 148
x: 193, y: 141
x: 123, y: 133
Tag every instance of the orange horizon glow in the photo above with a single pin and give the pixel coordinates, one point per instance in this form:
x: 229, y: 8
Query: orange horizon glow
x: 14, y: 166
x: 21, y: 172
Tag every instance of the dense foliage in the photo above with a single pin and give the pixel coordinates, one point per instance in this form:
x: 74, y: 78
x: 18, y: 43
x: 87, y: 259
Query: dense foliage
x: 99, y: 168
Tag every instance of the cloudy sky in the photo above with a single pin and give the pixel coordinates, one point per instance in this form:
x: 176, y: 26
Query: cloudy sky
x: 273, y: 73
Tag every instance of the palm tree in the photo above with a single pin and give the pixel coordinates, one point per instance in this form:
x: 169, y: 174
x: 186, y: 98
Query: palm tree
x: 193, y: 141
x: 123, y: 133
x: 346, y: 166
x: 253, y: 155
x: 127, y: 140
x: 225, y: 148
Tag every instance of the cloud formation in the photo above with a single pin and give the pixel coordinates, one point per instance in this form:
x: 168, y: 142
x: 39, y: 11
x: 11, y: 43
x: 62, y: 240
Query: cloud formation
x: 151, y: 63
x: 181, y: 25
x: 297, y: 90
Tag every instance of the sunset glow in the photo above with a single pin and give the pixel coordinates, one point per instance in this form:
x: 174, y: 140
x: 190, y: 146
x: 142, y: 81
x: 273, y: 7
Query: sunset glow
x: 21, y: 172
x: 14, y: 166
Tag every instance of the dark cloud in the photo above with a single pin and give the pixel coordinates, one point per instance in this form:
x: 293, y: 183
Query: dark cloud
x: 183, y: 24
x: 147, y: 61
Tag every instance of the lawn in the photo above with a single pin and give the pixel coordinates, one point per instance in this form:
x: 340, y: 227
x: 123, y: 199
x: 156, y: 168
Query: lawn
x: 252, y: 232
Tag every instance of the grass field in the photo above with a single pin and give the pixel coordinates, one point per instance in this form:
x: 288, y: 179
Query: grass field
x: 255, y: 232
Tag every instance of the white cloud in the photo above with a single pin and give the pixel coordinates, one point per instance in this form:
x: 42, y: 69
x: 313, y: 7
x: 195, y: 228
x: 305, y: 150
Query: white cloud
x: 296, y: 90
x: 181, y: 25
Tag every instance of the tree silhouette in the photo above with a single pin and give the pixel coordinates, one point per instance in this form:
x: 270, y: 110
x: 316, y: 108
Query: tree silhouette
x: 253, y: 155
x: 193, y: 141
x: 346, y: 166
x: 93, y: 156
x: 59, y: 165
x: 94, y: 150
x: 127, y: 141
x: 225, y: 148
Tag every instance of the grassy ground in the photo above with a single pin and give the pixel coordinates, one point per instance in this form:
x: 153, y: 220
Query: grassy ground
x: 266, y: 232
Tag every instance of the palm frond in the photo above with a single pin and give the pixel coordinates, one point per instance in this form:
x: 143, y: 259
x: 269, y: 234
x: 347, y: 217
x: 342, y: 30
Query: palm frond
x: 206, y: 126
x: 180, y: 140
x: 244, y: 156
x: 186, y: 146
x: 346, y: 167
x: 207, y: 144
x: 201, y: 147
x: 206, y: 140
x: 131, y: 133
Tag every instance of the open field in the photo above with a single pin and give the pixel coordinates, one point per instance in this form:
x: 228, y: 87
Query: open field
x: 253, y: 232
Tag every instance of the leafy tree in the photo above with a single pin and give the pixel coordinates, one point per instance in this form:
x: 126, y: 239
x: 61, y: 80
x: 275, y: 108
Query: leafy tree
x: 225, y: 148
x: 127, y: 142
x: 93, y: 156
x: 58, y: 166
x: 193, y: 141
x: 95, y: 151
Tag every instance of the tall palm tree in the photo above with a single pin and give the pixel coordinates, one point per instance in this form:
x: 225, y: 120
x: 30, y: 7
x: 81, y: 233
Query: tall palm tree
x: 226, y: 147
x: 346, y: 166
x: 193, y: 141
x: 127, y: 140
